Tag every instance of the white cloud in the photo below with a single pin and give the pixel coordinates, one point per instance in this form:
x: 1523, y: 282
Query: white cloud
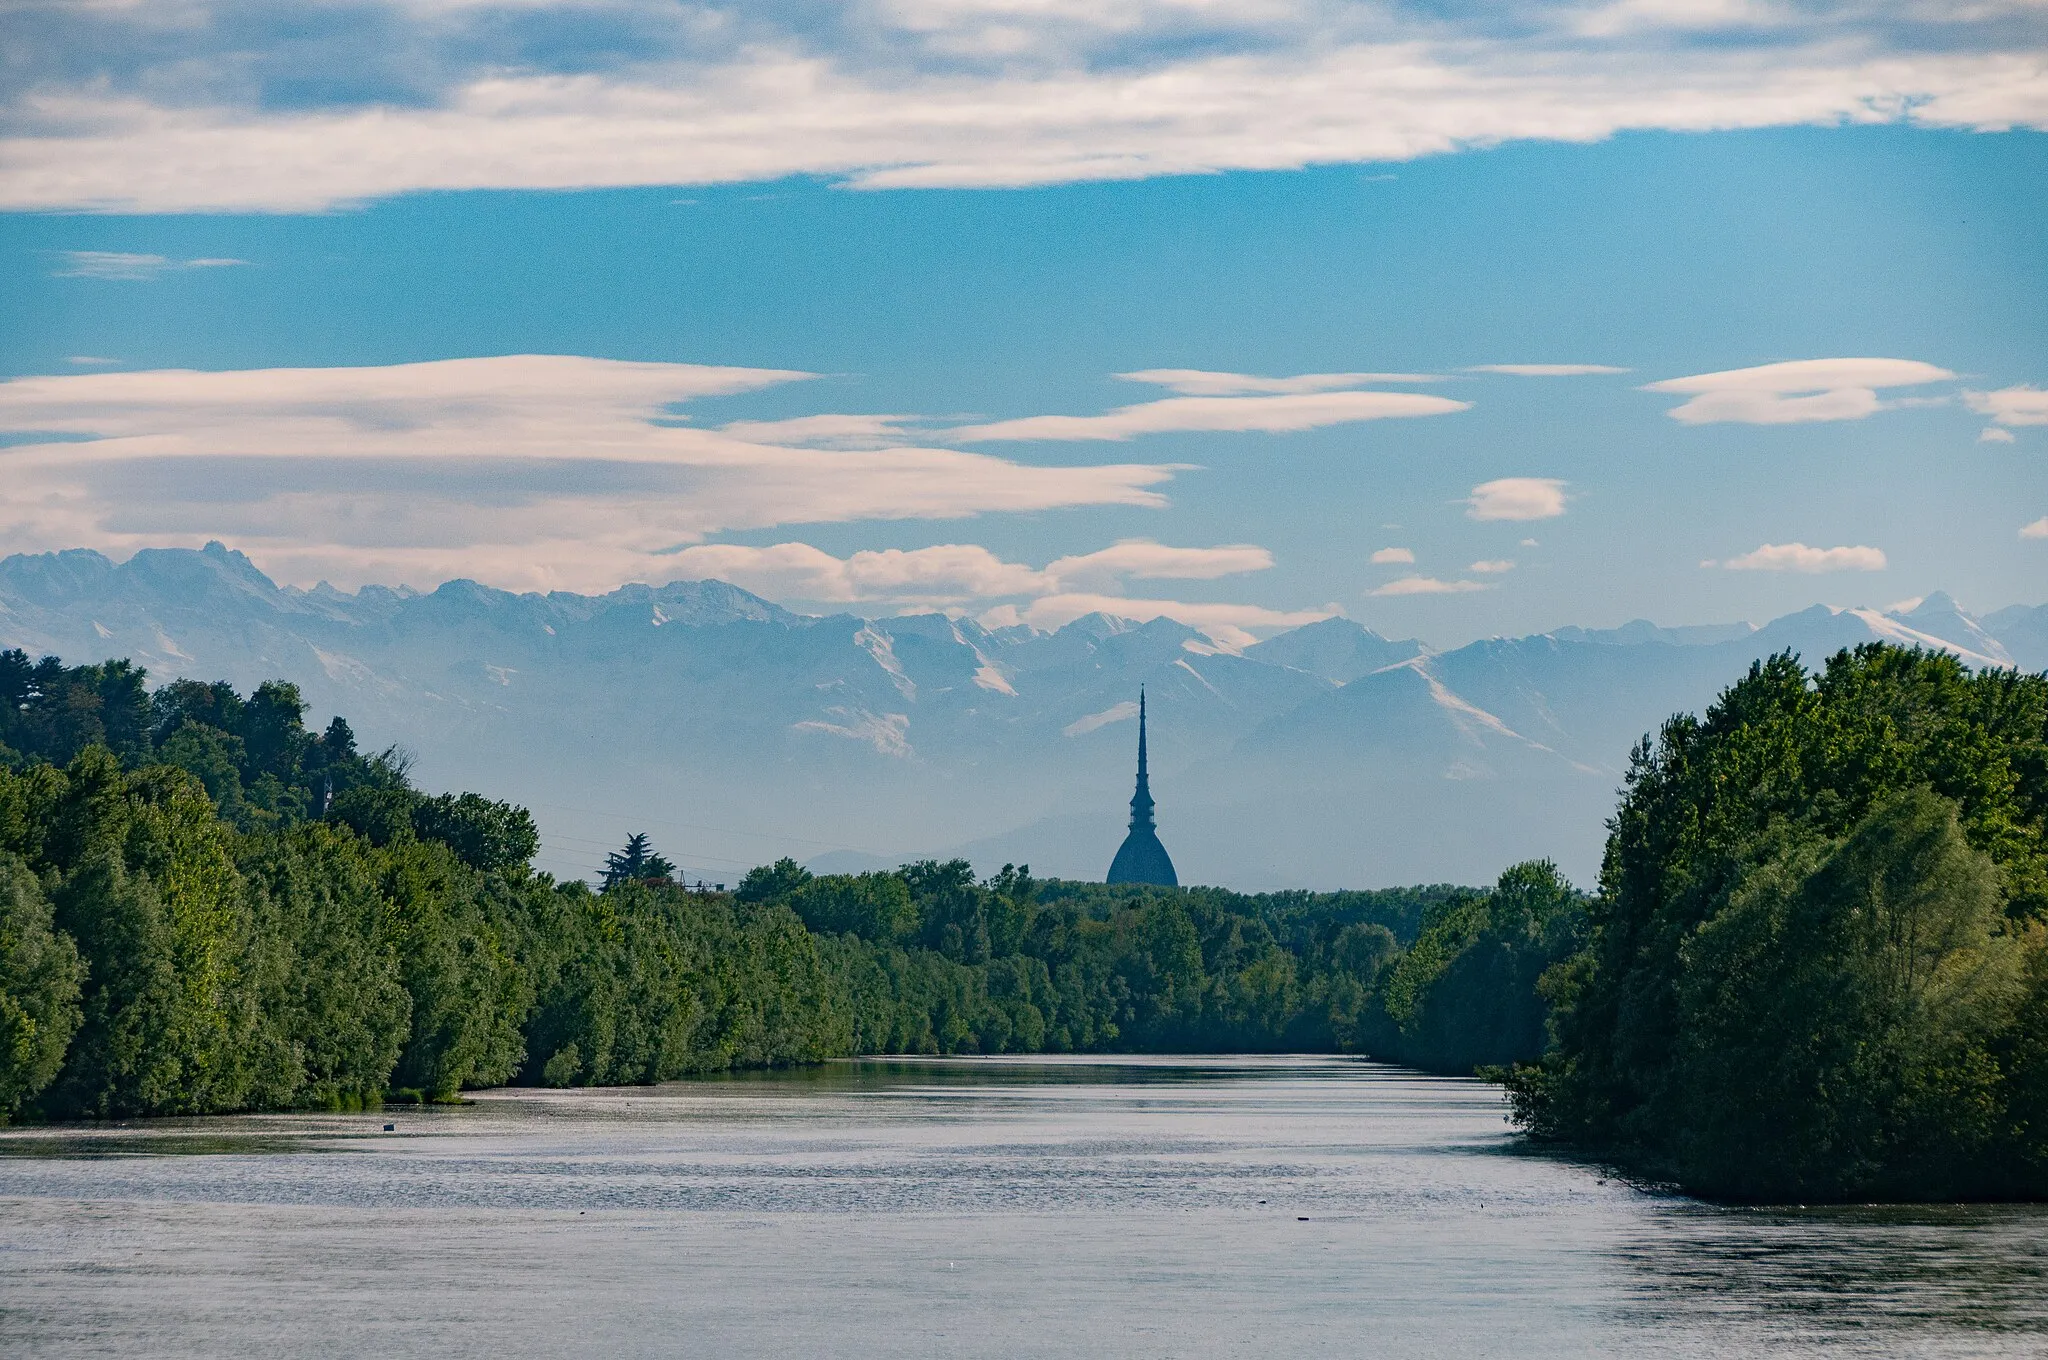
x: 1427, y: 585
x: 1517, y: 498
x: 125, y: 110
x: 2022, y: 405
x: 945, y: 574
x: 1545, y: 370
x: 1233, y: 625
x: 117, y: 264
x: 1790, y: 393
x: 1148, y: 561
x: 949, y: 573
x: 1200, y: 382
x: 532, y: 471
x: 89, y: 361
x: 2038, y: 529
x: 1174, y: 415
x: 1491, y: 567
x: 1799, y: 557
x: 1386, y: 556
x: 1530, y: 543
x: 1994, y: 434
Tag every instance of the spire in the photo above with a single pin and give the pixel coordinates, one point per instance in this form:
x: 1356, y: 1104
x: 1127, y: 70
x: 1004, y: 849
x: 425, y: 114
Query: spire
x: 1142, y: 859
x: 1141, y: 801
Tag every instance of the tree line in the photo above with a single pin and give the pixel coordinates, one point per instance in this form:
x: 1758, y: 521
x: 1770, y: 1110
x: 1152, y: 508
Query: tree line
x: 204, y: 906
x: 1815, y: 965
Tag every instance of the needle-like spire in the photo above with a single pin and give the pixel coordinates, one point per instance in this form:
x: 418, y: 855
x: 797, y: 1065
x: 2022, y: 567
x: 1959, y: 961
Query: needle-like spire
x: 1142, y: 859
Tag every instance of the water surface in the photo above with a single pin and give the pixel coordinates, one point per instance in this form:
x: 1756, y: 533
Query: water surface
x: 966, y: 1207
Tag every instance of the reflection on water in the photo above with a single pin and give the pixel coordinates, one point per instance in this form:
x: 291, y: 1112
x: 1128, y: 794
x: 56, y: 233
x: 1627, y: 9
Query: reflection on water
x: 1963, y: 1275
x: 985, y: 1207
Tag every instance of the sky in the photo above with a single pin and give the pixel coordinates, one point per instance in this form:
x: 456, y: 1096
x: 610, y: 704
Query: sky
x: 1457, y: 320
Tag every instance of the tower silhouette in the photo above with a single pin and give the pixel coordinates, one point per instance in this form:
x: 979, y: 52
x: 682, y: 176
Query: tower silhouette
x: 1141, y: 858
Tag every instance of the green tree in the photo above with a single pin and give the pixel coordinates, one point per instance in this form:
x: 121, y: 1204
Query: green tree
x: 171, y: 1008
x: 1838, y: 1017
x: 637, y: 861
x: 40, y: 972
x: 1755, y: 851
x: 486, y: 835
x: 335, y: 989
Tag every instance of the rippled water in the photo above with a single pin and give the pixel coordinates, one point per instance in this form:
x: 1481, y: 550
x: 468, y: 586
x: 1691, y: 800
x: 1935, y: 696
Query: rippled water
x: 973, y: 1207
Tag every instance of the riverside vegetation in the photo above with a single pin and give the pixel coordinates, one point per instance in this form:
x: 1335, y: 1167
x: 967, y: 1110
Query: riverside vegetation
x: 1815, y: 966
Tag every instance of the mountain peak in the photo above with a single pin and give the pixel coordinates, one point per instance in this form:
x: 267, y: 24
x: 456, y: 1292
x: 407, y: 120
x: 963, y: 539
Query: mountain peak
x: 1337, y: 649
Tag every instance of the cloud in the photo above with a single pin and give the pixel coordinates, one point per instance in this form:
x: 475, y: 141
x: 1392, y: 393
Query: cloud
x: 1233, y: 625
x: 1529, y: 543
x: 1427, y: 585
x: 1386, y: 556
x: 1237, y: 415
x: 1790, y: 393
x: 1492, y: 567
x: 116, y: 264
x: 1148, y: 561
x: 531, y: 471
x: 2022, y: 405
x: 1198, y: 382
x: 2038, y: 529
x: 1517, y: 498
x: 1993, y: 434
x: 123, y: 109
x: 1799, y: 557
x: 1544, y: 370
x: 89, y: 361
x: 949, y: 573
x: 945, y: 574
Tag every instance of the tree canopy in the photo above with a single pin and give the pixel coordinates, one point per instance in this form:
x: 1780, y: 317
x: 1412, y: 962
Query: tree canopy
x: 1816, y: 964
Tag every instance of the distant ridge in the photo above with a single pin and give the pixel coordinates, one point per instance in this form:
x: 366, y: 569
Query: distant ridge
x: 737, y: 730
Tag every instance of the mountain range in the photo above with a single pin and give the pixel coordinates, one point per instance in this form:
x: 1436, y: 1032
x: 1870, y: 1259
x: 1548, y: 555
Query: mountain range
x: 735, y: 731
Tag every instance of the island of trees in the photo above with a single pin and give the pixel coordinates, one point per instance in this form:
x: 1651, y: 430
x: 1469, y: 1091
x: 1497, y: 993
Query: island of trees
x: 1816, y: 965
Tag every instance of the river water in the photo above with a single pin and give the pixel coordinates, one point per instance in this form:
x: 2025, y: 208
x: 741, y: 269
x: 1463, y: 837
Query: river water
x: 970, y: 1207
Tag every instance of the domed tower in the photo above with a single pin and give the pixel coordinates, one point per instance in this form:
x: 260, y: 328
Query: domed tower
x: 1141, y: 858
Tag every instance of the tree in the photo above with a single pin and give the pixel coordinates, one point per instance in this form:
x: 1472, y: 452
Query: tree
x: 636, y: 861
x: 40, y: 972
x: 1838, y: 1016
x: 486, y: 834
x: 1815, y: 963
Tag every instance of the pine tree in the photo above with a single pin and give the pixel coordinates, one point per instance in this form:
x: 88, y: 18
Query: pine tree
x: 637, y: 861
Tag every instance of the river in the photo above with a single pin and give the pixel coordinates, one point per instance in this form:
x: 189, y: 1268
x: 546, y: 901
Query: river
x: 1256, y: 1206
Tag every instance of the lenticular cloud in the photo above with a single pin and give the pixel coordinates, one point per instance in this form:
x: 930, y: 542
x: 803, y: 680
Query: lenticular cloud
x: 551, y: 471
x: 1797, y: 392
x: 122, y: 111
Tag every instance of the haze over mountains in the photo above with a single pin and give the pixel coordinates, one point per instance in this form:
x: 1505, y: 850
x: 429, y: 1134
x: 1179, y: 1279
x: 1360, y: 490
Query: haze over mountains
x: 736, y: 731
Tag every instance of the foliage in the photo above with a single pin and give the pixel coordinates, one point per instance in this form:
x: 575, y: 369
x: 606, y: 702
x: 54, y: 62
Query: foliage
x: 1465, y: 996
x: 637, y: 862
x: 1814, y: 967
x: 39, y: 977
x: 206, y: 906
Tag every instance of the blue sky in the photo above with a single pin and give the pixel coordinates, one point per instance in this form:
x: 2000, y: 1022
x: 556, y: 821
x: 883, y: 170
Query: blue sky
x: 950, y: 231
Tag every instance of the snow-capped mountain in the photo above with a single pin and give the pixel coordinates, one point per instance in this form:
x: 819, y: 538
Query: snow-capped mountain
x: 736, y: 731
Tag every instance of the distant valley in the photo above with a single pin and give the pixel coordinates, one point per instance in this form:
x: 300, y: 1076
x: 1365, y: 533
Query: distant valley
x: 736, y: 731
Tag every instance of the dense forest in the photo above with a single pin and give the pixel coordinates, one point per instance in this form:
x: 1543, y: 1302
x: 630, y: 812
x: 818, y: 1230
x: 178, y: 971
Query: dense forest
x: 205, y: 907
x: 1817, y: 965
